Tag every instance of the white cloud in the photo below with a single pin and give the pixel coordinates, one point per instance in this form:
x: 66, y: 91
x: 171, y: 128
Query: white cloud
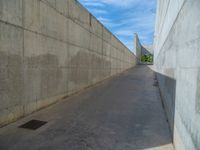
x: 99, y: 11
x: 118, y: 3
x: 104, y: 20
x: 124, y: 32
x: 126, y: 17
x: 121, y: 3
x: 93, y: 4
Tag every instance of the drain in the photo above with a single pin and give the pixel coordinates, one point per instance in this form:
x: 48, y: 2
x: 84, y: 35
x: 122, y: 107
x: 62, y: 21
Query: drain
x: 33, y: 124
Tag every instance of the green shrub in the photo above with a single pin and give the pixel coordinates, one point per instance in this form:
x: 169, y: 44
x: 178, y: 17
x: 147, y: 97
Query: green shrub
x: 147, y: 58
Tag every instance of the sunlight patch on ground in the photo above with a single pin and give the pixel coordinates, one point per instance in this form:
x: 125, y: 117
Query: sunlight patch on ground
x: 163, y: 147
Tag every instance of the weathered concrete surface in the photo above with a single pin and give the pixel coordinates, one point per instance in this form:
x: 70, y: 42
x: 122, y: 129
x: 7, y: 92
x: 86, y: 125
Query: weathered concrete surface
x: 50, y: 49
x: 124, y: 113
x: 177, y: 53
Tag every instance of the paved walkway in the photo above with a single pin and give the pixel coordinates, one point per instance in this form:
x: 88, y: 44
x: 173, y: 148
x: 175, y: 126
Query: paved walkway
x: 124, y: 113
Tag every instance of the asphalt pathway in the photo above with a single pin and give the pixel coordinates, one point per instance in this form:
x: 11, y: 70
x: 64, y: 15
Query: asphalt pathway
x: 122, y: 113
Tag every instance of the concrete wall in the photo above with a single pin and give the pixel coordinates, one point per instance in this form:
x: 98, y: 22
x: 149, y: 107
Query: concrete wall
x: 177, y: 59
x: 138, y: 48
x: 141, y: 49
x: 50, y: 49
x: 147, y: 49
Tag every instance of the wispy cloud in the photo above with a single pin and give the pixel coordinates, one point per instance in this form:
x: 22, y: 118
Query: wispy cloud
x: 93, y: 4
x: 119, y: 3
x: 126, y: 33
x: 125, y: 17
x: 104, y: 20
x: 99, y: 11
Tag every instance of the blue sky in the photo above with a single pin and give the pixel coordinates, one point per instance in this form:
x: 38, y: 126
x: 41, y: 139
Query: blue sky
x: 126, y: 17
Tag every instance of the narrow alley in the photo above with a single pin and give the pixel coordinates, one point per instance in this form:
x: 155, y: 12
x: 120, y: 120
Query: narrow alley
x: 122, y: 113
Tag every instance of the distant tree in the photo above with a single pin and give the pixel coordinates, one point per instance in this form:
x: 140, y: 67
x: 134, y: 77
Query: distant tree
x: 147, y: 58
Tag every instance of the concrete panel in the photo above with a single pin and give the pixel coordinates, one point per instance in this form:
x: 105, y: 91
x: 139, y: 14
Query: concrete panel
x: 52, y: 3
x: 63, y: 7
x: 57, y: 53
x: 11, y: 77
x: 96, y: 44
x: 177, y: 52
x: 32, y: 14
x: 81, y: 16
x: 106, y: 49
x: 84, y: 17
x: 106, y: 35
x: 56, y: 81
x: 96, y: 27
x: 56, y: 49
x: 10, y: 114
x: 35, y: 53
x: 79, y: 57
x: 11, y: 86
x: 73, y: 7
x: 114, y: 41
x: 51, y: 25
x: 11, y: 11
x: 32, y: 86
x: 72, y: 76
x: 187, y: 118
x: 78, y: 79
x: 78, y: 35
x: 82, y: 78
x: 43, y: 52
x: 38, y: 17
x: 95, y: 75
x: 73, y: 56
x: 170, y: 17
x: 106, y: 62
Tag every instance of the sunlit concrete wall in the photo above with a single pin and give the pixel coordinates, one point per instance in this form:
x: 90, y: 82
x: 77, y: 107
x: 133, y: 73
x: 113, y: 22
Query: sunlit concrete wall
x: 147, y: 49
x: 138, y: 48
x: 177, y: 60
x: 141, y: 49
x: 50, y: 49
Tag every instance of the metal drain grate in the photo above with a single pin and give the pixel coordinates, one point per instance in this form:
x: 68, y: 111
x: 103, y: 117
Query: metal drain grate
x: 33, y: 124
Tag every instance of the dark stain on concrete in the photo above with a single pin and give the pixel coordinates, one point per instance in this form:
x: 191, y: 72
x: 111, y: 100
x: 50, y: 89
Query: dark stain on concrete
x: 88, y: 66
x: 11, y: 80
x: 16, y: 76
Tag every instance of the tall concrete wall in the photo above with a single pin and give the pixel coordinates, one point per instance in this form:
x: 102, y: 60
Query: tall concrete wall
x: 138, y: 48
x: 147, y: 49
x: 141, y: 49
x: 50, y: 49
x: 177, y: 59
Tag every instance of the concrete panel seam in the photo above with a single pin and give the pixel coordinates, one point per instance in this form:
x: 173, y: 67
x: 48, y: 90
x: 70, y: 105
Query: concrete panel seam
x: 87, y: 29
x: 67, y: 42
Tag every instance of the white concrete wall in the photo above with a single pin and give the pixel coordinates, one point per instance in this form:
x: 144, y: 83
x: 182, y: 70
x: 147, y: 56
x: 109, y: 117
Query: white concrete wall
x: 141, y: 49
x: 50, y: 49
x: 138, y: 48
x: 147, y: 49
x: 177, y: 59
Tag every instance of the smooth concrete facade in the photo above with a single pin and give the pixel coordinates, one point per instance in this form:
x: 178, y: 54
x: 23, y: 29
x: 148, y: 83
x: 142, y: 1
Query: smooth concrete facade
x: 50, y: 49
x: 177, y: 60
x: 138, y: 48
x: 147, y: 49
